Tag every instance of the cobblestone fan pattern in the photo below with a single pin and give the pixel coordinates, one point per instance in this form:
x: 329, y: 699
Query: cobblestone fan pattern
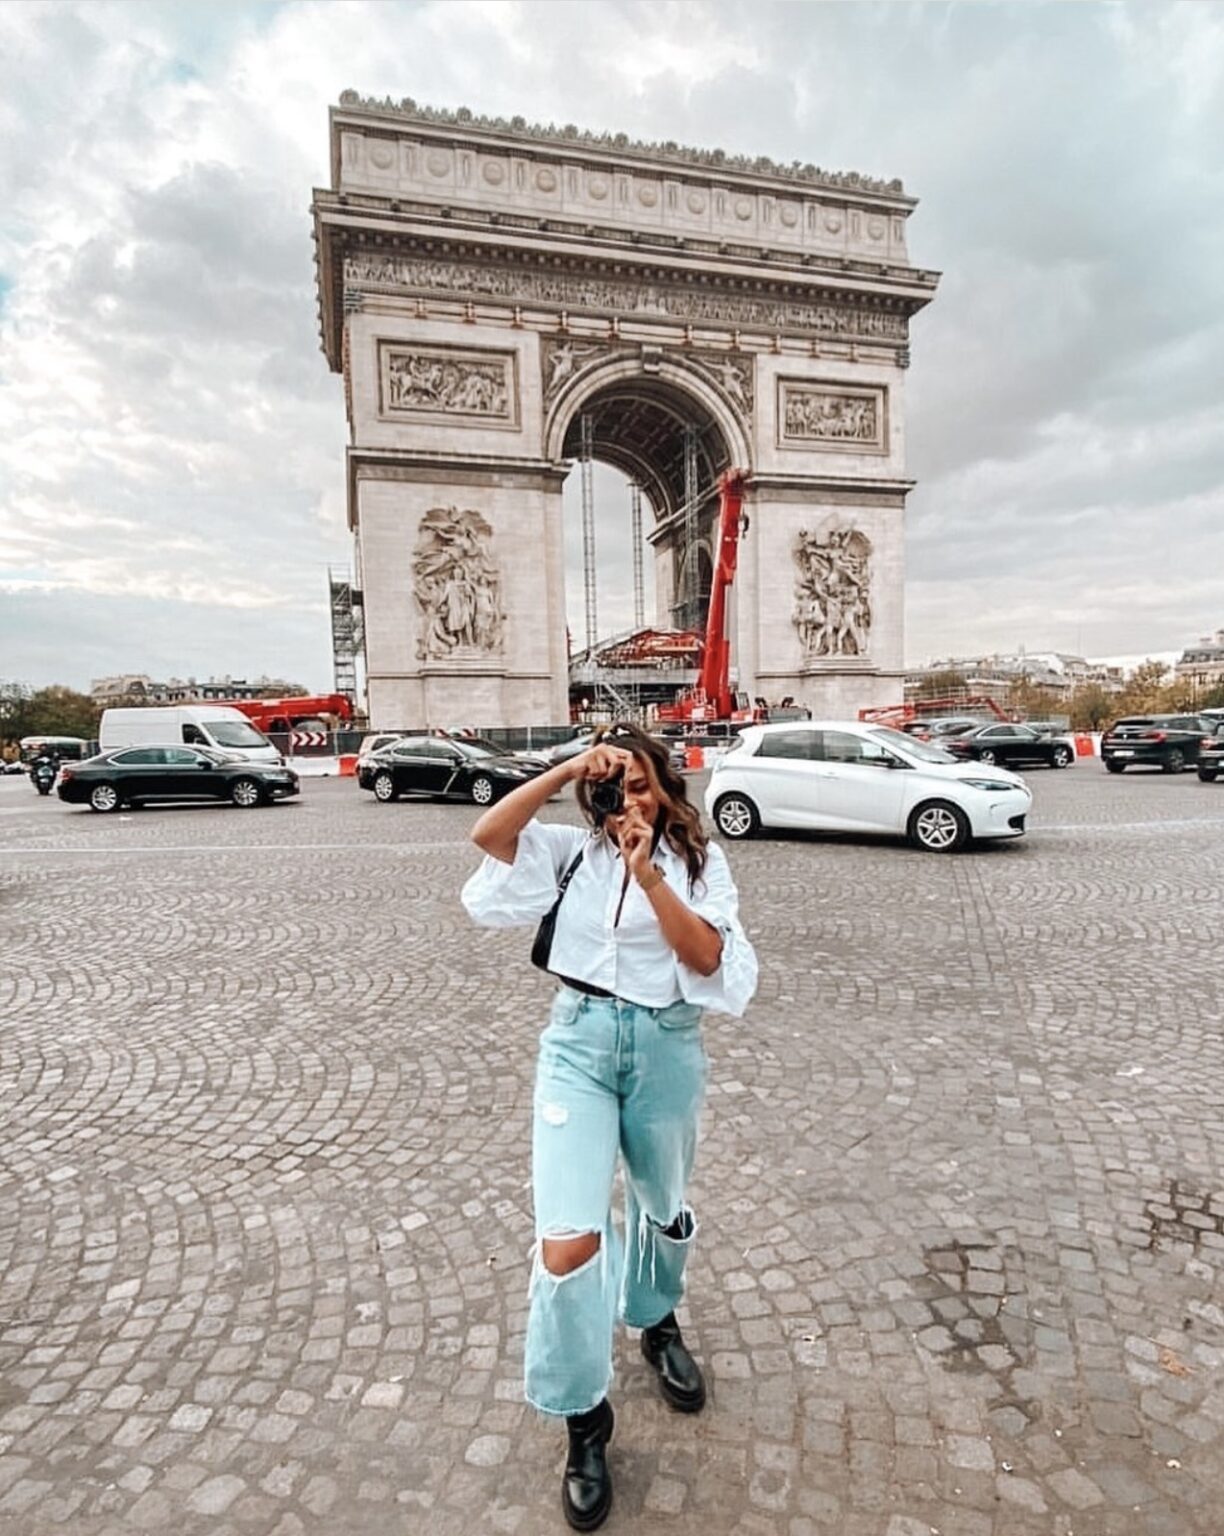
x: 264, y: 1208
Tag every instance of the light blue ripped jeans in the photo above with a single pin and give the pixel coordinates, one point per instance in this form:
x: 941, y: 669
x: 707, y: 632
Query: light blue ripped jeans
x: 612, y: 1076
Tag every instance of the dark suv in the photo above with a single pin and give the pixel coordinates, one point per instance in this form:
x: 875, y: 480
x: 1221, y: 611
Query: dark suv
x: 1211, y: 753
x: 1169, y: 742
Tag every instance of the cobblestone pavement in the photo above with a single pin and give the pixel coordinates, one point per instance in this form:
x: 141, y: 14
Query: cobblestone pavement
x: 264, y: 1212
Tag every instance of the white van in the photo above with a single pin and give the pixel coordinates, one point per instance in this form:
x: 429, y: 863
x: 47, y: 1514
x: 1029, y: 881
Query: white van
x: 200, y: 725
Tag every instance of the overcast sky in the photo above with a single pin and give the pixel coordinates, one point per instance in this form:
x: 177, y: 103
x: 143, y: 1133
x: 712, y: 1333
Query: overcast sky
x: 171, y: 440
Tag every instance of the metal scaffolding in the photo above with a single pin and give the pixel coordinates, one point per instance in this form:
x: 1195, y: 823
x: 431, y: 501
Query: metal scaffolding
x: 690, y: 594
x: 639, y: 584
x: 348, y: 632
x: 585, y: 458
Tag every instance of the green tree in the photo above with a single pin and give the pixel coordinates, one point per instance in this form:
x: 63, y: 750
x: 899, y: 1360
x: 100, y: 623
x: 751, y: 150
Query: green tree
x: 53, y: 711
x: 1033, y: 702
x: 938, y: 685
x: 1091, y: 707
x: 1145, y: 691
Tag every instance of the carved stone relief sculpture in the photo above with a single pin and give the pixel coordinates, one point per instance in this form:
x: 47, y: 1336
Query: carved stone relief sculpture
x: 457, y: 586
x: 561, y: 360
x: 439, y: 381
x: 832, y: 611
x: 734, y: 376
x: 832, y: 416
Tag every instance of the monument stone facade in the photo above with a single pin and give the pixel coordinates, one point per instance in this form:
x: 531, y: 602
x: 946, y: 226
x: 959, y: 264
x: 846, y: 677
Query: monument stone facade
x: 485, y: 284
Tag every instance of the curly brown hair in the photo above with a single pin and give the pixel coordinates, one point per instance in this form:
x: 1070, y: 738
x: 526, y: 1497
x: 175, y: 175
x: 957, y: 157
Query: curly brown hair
x: 678, y: 820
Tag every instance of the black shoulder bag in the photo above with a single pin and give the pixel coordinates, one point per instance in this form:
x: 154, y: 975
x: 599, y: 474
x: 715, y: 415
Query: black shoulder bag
x: 541, y: 949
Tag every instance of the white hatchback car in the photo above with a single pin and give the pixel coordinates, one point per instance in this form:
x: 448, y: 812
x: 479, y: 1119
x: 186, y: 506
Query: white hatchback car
x: 849, y: 776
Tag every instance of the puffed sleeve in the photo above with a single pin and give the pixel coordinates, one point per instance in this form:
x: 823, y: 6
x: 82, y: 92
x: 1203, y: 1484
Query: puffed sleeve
x: 714, y: 898
x: 501, y: 895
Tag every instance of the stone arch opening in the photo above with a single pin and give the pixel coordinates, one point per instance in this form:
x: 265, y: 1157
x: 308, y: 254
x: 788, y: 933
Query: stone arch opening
x: 665, y: 432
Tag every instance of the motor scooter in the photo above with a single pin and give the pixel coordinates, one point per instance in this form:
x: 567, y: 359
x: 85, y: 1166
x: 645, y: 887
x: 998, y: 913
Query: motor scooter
x: 43, y: 772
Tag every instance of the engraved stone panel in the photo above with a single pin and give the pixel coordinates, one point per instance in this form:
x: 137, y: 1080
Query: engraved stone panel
x: 838, y: 418
x: 832, y: 611
x: 457, y: 586
x: 439, y: 382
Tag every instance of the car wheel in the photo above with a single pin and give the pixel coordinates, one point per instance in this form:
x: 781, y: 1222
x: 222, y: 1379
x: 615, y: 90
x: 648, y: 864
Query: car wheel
x: 104, y: 798
x: 735, y: 816
x: 1114, y: 767
x: 1208, y: 775
x: 245, y: 793
x: 1061, y: 757
x: 1174, y: 761
x: 935, y: 826
x: 384, y: 788
x: 483, y: 790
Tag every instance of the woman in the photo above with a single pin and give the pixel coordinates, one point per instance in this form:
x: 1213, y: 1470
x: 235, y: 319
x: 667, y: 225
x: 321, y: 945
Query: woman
x: 646, y: 934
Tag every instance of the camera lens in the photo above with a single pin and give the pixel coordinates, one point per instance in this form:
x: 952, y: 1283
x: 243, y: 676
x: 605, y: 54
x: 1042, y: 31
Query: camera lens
x: 608, y: 797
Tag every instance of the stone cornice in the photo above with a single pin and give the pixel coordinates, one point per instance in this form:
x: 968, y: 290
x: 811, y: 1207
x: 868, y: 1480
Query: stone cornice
x: 614, y: 146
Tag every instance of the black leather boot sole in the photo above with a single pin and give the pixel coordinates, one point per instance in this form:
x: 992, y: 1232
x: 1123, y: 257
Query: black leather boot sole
x: 587, y: 1469
x: 680, y: 1378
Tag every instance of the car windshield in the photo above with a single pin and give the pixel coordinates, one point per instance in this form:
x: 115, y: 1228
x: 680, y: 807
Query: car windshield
x: 235, y: 733
x: 471, y: 748
x: 924, y: 751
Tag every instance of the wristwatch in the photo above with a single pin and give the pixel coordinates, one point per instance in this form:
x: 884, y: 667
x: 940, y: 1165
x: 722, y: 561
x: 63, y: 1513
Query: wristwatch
x: 651, y: 878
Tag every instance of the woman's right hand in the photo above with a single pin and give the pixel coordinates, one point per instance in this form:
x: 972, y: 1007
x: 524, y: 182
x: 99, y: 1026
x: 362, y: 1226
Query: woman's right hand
x: 602, y: 761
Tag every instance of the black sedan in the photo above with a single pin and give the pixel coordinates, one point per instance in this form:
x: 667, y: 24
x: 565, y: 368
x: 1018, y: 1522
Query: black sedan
x: 1010, y: 745
x: 445, y: 768
x: 150, y: 775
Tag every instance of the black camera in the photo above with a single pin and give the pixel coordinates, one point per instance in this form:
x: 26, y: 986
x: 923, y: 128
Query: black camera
x: 608, y: 796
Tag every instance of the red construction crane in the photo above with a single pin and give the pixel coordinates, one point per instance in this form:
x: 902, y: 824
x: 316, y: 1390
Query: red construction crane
x: 712, y: 698
x: 284, y: 714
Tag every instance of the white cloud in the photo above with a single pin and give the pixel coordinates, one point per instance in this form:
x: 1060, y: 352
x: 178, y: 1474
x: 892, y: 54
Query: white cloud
x: 171, y: 442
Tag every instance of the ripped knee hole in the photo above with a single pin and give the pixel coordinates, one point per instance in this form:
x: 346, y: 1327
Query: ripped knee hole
x: 563, y: 1255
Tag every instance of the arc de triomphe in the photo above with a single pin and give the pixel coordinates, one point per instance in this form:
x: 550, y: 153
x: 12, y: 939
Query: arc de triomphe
x: 487, y: 287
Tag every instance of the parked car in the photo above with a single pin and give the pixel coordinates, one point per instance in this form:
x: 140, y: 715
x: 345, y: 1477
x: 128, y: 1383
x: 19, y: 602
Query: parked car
x: 1167, y: 742
x: 442, y: 767
x: 562, y: 753
x: 153, y: 775
x: 538, y: 759
x: 1211, y: 754
x: 374, y: 742
x: 849, y: 776
x: 1010, y: 744
x: 941, y: 725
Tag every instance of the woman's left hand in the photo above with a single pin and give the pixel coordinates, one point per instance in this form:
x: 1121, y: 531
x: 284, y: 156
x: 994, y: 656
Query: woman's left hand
x: 636, y: 838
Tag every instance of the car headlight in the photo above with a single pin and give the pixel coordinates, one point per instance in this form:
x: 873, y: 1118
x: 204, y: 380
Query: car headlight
x: 991, y: 786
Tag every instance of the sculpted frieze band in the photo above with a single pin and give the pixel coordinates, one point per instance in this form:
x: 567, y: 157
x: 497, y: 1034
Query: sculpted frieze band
x: 574, y: 291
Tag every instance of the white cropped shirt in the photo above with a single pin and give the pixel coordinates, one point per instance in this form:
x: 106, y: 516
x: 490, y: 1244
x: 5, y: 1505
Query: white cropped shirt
x: 630, y: 958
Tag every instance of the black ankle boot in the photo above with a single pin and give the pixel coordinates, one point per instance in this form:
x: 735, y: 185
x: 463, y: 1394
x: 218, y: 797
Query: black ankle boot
x: 586, y: 1491
x: 680, y: 1376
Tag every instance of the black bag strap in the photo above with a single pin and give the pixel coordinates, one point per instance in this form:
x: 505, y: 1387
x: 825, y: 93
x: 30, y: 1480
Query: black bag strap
x: 568, y: 876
